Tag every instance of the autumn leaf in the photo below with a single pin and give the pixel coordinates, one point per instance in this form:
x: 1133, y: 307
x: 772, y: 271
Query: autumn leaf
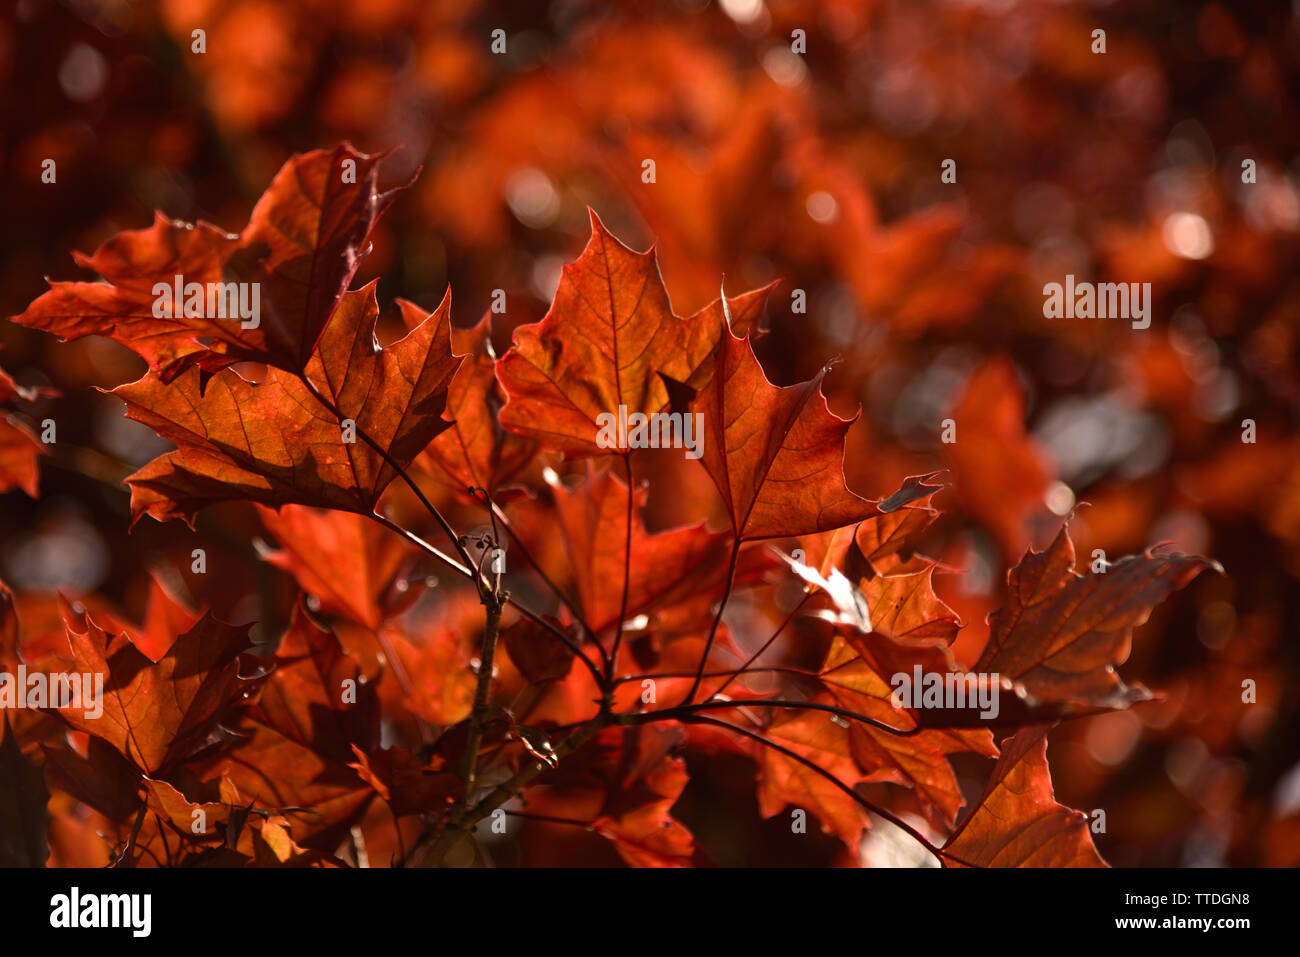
x: 273, y: 846
x: 101, y: 777
x: 42, y: 642
x: 166, y: 615
x: 608, y: 337
x: 297, y: 739
x: 179, y: 813
x: 405, y: 783
x: 665, y: 568
x: 906, y: 608
x: 880, y: 543
x: 742, y: 314
x: 273, y: 442
x: 439, y: 664
x: 902, y: 604
x: 858, y: 673
x: 157, y: 713
x: 322, y: 796
x: 539, y: 655
x: 302, y: 245
x: 890, y: 625
x: 316, y: 695
x: 823, y: 740
x: 476, y: 451
x: 911, y: 628
x: 349, y: 563
x: 636, y: 817
x: 20, y: 452
x: 624, y: 783
x: 775, y: 454
x: 1017, y: 822
x: 9, y: 631
x: 1060, y: 634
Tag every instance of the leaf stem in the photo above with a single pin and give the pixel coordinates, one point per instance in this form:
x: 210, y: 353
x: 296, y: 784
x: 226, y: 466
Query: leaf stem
x: 767, y: 644
x: 508, y: 599
x: 500, y: 516
x: 627, y: 571
x: 681, y: 712
x: 401, y: 472
x: 717, y: 620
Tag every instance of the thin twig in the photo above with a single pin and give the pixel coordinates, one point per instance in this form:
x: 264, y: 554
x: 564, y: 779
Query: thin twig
x: 463, y: 823
x: 482, y: 691
x: 549, y: 819
x: 511, y: 601
x: 767, y: 644
x: 627, y: 571
x: 713, y: 632
x: 681, y: 712
x: 130, y: 844
x: 555, y: 589
x: 778, y: 669
x: 388, y: 460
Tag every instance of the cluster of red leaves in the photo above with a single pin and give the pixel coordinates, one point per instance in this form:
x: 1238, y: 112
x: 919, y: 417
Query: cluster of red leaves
x: 583, y: 654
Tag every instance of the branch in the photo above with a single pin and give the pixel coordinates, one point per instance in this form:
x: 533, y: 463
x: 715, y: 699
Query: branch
x: 779, y: 669
x: 500, y: 515
x: 468, y: 573
x: 461, y: 824
x: 130, y: 843
x: 482, y: 691
x: 465, y: 563
x: 549, y: 819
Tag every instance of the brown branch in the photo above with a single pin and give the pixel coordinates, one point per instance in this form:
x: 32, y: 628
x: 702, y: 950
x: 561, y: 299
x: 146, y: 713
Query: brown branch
x: 482, y: 691
x: 512, y: 602
x: 461, y: 824
x: 500, y: 515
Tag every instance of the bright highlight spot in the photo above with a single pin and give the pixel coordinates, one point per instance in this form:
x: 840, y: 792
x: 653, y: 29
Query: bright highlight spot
x: 822, y: 207
x: 1188, y: 235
